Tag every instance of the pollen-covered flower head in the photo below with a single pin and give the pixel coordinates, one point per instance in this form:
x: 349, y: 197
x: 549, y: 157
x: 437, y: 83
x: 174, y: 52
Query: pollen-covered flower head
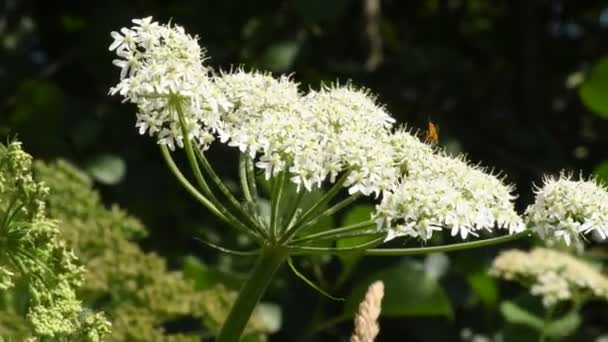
x: 439, y: 192
x: 554, y: 276
x: 161, y: 68
x: 564, y: 209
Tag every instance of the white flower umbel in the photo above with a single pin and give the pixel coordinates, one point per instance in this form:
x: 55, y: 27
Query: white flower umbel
x: 337, y: 134
x: 554, y: 276
x: 161, y: 68
x: 564, y: 209
x: 314, y: 137
x: 266, y: 118
x: 347, y: 128
x: 439, y: 192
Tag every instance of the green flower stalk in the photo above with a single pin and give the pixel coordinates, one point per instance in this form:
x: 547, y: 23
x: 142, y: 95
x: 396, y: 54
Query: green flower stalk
x: 35, y: 260
x: 338, y: 137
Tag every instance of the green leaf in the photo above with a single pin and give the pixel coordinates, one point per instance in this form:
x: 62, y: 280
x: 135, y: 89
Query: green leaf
x: 485, y: 287
x: 408, y: 291
x: 594, y: 91
x: 601, y: 171
x: 564, y: 326
x: 107, y: 169
x: 279, y: 57
x: 357, y: 214
x: 205, y: 277
x: 516, y: 314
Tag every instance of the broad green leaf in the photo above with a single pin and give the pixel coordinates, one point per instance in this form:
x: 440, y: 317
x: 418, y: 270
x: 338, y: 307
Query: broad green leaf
x: 518, y: 315
x: 205, y: 277
x: 408, y: 291
x: 485, y: 287
x: 357, y: 214
x: 563, y: 326
x: 594, y: 91
x: 107, y: 169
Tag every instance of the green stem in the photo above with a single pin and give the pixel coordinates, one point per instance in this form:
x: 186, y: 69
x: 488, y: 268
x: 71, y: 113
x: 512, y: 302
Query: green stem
x: 243, y: 178
x: 190, y: 154
x: 270, y: 259
x: 199, y: 176
x: 340, y: 205
x: 275, y: 201
x: 186, y: 184
x: 251, y: 181
x: 445, y: 248
x: 291, y: 212
x: 247, y: 178
x: 300, y: 250
x: 234, y: 203
x: 328, y: 196
x: 335, y: 232
x: 199, y: 197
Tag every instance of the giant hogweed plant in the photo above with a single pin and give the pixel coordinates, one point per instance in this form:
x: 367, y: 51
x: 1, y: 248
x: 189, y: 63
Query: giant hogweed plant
x: 338, y: 137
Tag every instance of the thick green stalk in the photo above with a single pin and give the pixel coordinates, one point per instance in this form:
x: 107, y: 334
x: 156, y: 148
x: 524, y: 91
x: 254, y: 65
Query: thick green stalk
x: 270, y: 259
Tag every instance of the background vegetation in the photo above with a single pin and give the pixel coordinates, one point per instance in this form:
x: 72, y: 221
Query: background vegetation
x: 521, y: 86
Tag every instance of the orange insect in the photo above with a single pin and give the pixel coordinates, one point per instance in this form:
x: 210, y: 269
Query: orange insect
x: 432, y: 133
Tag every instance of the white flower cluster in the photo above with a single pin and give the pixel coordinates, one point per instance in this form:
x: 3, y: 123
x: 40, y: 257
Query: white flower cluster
x: 161, y: 68
x: 552, y: 275
x: 439, y: 192
x: 564, y: 209
x: 314, y: 136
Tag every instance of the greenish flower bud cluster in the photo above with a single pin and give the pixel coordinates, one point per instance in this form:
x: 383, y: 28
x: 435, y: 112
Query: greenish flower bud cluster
x: 39, y: 274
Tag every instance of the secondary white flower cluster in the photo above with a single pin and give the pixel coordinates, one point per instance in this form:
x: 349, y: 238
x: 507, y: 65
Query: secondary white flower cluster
x: 552, y: 275
x: 439, y: 193
x: 161, y: 68
x: 339, y: 129
x: 564, y: 209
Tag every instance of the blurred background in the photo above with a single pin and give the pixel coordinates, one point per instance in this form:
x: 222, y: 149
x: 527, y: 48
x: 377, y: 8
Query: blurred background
x: 519, y: 86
